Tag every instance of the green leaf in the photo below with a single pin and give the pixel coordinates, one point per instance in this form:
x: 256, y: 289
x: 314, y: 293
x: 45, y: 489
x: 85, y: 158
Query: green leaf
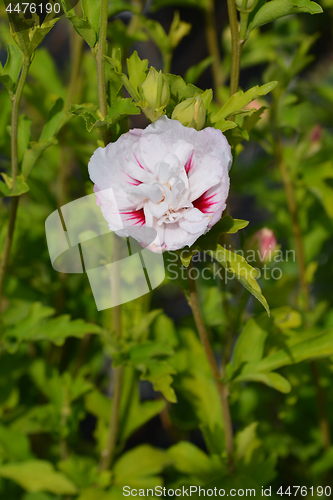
x: 32, y: 155
x: 137, y: 70
x: 45, y: 71
x: 58, y: 329
x: 240, y: 99
x: 194, y: 72
x: 224, y: 125
x: 13, y: 445
x: 55, y: 121
x: 38, y: 496
x: 209, y: 240
x: 7, y: 189
x: 243, y: 272
x: 88, y: 113
x: 121, y: 109
x: 139, y: 467
x: 274, y: 380
x: 38, y: 419
x: 118, y: 6
x: 250, y: 344
x: 36, y: 326
x: 10, y: 72
x: 80, y: 469
x: 311, y: 348
x: 159, y: 373
x: 279, y: 8
x: 245, y: 438
x: 179, y: 90
x: 157, y: 33
x: 252, y: 118
x: 315, y: 179
x: 225, y: 225
x: 39, y: 33
x: 38, y: 475
x: 84, y: 29
x: 92, y: 11
x: 81, y: 25
x: 189, y: 460
x: 143, y: 352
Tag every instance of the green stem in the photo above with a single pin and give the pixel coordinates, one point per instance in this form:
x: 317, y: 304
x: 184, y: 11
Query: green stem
x: 167, y: 59
x: 100, y: 59
x: 221, y: 387
x: 244, y: 18
x: 108, y: 453
x: 235, y: 47
x: 16, y: 100
x: 213, y: 47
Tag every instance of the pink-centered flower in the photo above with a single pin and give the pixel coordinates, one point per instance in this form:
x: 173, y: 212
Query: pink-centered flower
x: 167, y: 177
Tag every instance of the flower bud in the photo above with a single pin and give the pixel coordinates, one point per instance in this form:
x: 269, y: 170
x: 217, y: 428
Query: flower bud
x: 191, y: 113
x: 155, y: 89
x: 266, y: 243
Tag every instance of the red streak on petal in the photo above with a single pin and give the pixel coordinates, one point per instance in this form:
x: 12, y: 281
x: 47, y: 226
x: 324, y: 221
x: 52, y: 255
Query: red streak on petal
x: 137, y: 216
x: 204, y: 203
x: 135, y: 183
x: 138, y: 162
x: 189, y: 164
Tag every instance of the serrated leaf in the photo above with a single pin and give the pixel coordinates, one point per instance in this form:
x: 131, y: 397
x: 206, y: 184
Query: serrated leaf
x: 240, y: 99
x: 243, y: 272
x: 7, y: 189
x: 38, y: 475
x: 88, y: 112
x: 275, y: 9
x: 159, y: 373
x: 137, y: 70
x: 36, y: 327
x: 122, y: 108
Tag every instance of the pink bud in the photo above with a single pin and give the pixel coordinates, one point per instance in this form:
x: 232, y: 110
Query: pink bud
x: 267, y: 243
x: 316, y: 133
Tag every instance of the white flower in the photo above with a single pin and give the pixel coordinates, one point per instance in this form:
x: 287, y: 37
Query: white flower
x: 167, y: 177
